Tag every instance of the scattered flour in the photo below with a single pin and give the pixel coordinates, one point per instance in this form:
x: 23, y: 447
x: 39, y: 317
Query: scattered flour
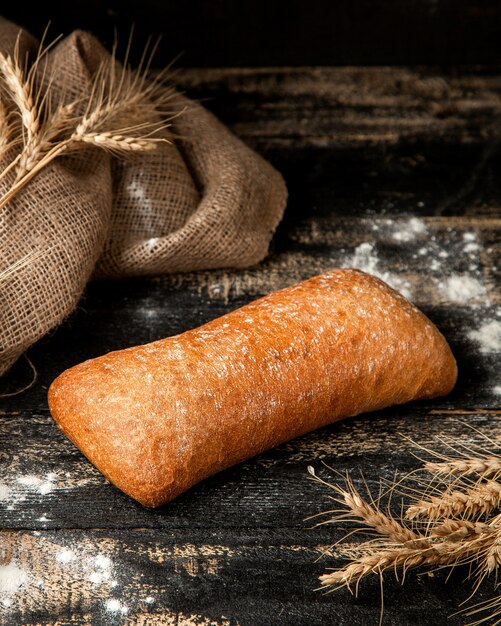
x: 410, y: 230
x: 137, y: 194
x: 365, y: 258
x: 152, y: 243
x: 103, y: 570
x: 41, y: 485
x: 497, y: 390
x: 461, y: 288
x: 97, y: 578
x: 65, y: 556
x: 72, y: 563
x: 115, y: 606
x: 95, y: 569
x: 488, y: 336
x: 11, y: 578
x: 103, y: 562
x: 471, y: 247
x: 4, y: 492
x: 26, y: 484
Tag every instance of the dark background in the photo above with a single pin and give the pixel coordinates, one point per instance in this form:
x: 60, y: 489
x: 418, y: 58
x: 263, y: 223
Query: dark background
x: 359, y: 148
x: 295, y: 32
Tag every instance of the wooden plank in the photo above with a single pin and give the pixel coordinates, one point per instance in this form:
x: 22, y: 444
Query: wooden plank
x: 401, y: 187
x: 323, y: 107
x: 156, y: 577
x: 45, y: 483
x: 421, y: 257
x: 443, y: 179
x: 90, y: 333
x: 449, y: 266
x: 356, y: 141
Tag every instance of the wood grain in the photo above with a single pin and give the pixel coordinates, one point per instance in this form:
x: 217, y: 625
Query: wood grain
x: 50, y: 484
x: 395, y: 171
x: 374, y: 141
x: 351, y: 106
x: 155, y: 577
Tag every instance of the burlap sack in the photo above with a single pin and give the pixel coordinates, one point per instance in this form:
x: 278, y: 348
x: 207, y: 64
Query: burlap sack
x: 203, y: 201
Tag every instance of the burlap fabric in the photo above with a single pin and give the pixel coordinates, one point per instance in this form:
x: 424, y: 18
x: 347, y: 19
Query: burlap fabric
x: 204, y: 201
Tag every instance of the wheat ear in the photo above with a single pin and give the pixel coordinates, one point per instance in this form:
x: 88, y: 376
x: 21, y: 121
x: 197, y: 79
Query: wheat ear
x: 479, y: 500
x: 124, y: 103
x: 487, y: 467
x: 382, y: 560
x: 492, y: 557
x: 20, y: 85
x: 5, y: 130
x: 456, y: 528
x: 118, y: 143
x: 459, y: 529
x: 359, y: 509
x: 483, y: 548
x: 49, y: 134
x: 19, y: 89
x: 439, y: 548
x: 374, y: 517
x: 122, y: 115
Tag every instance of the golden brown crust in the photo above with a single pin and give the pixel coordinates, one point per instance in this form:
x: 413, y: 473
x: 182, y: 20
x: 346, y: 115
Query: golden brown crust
x: 156, y: 419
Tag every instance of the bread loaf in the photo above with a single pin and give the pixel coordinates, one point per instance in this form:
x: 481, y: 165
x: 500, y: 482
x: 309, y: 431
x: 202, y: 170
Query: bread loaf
x: 158, y: 418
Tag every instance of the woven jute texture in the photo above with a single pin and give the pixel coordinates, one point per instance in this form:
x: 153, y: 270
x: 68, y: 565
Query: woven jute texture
x: 203, y: 201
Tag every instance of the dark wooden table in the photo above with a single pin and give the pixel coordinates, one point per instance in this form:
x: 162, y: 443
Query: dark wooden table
x: 396, y: 171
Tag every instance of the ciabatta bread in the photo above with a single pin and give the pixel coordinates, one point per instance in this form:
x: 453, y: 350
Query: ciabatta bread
x: 158, y: 418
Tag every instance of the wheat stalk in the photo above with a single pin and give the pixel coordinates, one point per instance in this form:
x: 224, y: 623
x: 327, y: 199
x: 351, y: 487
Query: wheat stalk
x: 20, y: 264
x: 118, y: 143
x: 372, y: 516
x: 479, y: 500
x: 391, y: 558
x: 4, y: 130
x: 20, y: 90
x: 123, y: 114
x: 459, y: 529
x: 453, y: 527
x: 487, y: 467
x: 43, y: 141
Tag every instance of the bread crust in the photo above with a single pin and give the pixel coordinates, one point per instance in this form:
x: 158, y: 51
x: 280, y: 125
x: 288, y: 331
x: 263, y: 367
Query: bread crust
x: 158, y: 418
